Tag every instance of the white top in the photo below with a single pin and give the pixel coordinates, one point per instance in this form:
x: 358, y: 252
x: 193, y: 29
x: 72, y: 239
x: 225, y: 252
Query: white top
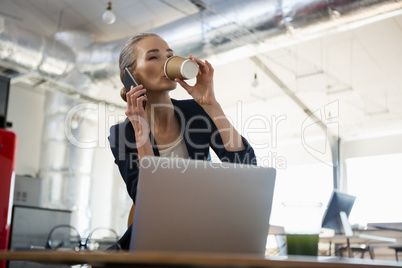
x: 178, y: 150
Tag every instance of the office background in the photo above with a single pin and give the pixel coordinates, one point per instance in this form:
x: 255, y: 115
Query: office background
x: 311, y: 85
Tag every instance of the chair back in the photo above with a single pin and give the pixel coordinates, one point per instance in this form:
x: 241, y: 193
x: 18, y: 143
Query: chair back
x: 131, y: 216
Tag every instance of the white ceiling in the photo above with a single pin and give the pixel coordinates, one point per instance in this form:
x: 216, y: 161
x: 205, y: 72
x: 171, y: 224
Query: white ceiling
x: 357, y: 68
x: 355, y: 74
x: 360, y: 69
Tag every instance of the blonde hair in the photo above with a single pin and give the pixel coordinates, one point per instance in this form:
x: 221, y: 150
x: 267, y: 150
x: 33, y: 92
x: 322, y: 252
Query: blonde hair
x: 128, y: 57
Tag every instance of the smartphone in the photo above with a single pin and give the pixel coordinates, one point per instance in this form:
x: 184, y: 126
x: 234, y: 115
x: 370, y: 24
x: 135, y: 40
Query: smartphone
x: 129, y: 80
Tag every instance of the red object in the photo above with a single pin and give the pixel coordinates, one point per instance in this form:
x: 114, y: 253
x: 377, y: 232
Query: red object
x: 8, y: 145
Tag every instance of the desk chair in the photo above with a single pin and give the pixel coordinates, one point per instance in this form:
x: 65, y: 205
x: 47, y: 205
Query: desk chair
x: 356, y: 250
x: 397, y: 249
x: 131, y: 216
x: 352, y: 249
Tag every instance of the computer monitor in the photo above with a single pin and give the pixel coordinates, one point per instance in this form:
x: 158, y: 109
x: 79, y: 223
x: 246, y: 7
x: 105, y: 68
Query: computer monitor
x: 338, y: 202
x: 4, y: 92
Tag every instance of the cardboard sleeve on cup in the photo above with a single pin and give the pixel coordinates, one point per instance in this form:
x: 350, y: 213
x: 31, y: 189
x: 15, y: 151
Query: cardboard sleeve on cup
x: 182, y: 68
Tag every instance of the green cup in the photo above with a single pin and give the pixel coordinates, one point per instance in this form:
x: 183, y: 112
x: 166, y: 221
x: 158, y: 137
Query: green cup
x: 302, y: 244
x: 302, y: 227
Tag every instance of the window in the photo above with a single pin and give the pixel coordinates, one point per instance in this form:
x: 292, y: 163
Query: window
x: 376, y: 182
x: 312, y: 182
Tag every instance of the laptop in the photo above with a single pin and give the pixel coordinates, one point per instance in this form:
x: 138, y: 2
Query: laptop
x: 187, y: 205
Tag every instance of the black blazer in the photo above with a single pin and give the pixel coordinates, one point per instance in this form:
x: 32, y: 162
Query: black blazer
x: 199, y: 134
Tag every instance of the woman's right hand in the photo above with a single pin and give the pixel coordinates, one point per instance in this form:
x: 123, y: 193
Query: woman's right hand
x: 136, y: 114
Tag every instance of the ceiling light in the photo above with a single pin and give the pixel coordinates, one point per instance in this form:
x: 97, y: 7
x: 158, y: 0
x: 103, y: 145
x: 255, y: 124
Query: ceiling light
x: 108, y: 16
x: 255, y: 81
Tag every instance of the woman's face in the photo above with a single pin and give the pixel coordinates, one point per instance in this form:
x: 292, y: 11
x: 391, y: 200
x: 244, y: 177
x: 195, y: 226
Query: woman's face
x: 152, y: 53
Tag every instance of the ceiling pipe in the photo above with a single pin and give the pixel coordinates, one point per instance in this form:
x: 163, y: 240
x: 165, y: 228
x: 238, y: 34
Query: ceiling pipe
x: 25, y: 51
x: 218, y: 27
x: 66, y: 160
x: 224, y: 25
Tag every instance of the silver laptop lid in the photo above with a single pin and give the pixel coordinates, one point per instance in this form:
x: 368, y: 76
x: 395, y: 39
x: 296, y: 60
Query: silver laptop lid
x: 187, y: 205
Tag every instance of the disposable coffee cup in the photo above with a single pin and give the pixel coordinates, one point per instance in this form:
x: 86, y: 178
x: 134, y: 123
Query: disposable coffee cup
x: 182, y: 68
x: 302, y: 227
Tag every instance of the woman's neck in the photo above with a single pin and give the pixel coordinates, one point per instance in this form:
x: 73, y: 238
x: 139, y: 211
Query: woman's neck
x: 160, y: 111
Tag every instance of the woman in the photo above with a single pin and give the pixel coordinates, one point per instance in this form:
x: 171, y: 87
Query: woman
x: 157, y: 125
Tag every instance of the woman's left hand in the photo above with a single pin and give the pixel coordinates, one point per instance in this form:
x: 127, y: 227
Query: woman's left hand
x: 203, y: 90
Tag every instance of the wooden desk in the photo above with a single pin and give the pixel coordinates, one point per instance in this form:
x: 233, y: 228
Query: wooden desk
x: 160, y: 259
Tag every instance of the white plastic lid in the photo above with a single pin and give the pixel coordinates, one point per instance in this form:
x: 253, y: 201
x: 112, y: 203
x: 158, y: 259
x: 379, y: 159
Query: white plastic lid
x: 189, y: 69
